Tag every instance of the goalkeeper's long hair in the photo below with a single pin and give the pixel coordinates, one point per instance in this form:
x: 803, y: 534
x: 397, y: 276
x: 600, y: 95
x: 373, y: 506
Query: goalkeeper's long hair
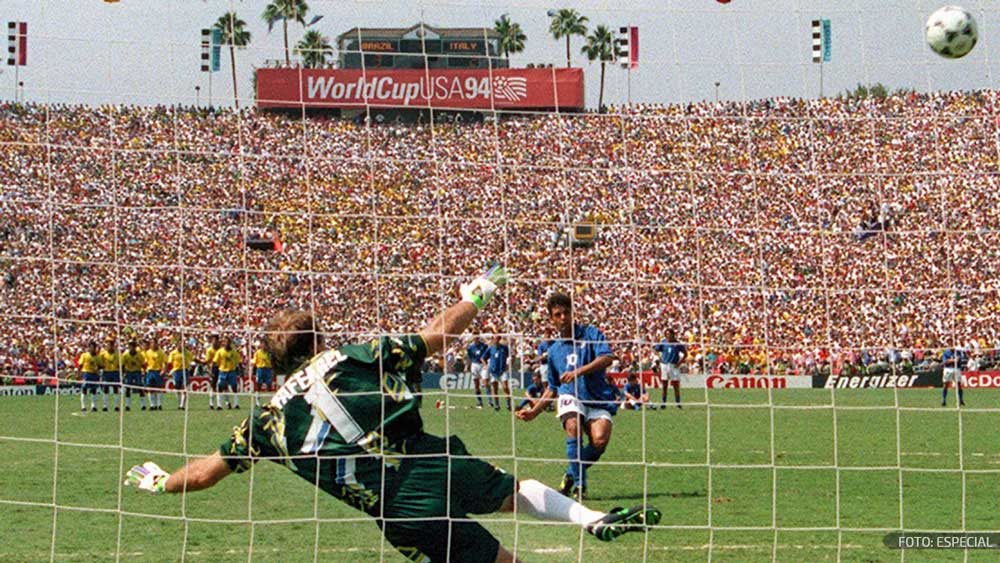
x: 291, y: 338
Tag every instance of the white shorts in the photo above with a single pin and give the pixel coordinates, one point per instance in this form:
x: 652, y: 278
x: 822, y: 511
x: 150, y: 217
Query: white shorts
x: 478, y: 371
x: 568, y: 404
x: 670, y: 372
x: 502, y: 377
x: 953, y: 375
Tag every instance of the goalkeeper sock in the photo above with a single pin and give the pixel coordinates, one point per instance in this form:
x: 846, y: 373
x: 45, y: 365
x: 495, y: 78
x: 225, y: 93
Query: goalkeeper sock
x: 960, y: 398
x: 944, y: 394
x: 544, y: 503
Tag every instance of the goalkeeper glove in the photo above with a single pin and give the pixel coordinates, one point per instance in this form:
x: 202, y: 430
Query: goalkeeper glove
x: 480, y: 291
x: 147, y: 477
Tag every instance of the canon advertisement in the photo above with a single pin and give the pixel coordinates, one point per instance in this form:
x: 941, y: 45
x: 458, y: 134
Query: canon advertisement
x: 721, y: 381
x: 472, y: 89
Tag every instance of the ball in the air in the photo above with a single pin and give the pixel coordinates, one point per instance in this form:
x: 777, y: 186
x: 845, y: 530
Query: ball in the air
x: 951, y: 32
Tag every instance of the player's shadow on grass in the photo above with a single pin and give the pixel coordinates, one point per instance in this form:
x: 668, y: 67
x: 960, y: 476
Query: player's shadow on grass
x: 652, y: 495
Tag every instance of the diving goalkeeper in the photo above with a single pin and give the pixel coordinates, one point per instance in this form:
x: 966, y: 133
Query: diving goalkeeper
x: 347, y: 421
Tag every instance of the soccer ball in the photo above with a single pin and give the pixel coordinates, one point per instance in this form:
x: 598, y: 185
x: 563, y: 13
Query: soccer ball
x: 951, y: 32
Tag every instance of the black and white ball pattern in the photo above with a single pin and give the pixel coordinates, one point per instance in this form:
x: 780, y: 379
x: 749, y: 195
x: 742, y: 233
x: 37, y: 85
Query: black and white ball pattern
x: 951, y: 32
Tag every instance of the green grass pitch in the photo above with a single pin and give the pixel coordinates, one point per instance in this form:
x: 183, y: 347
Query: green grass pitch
x: 725, y: 513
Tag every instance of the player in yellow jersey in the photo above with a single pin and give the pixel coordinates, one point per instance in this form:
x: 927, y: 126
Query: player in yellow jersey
x: 110, y: 372
x: 156, y: 359
x: 263, y: 371
x: 227, y: 357
x: 90, y: 370
x: 180, y: 361
x: 133, y: 362
x: 208, y: 362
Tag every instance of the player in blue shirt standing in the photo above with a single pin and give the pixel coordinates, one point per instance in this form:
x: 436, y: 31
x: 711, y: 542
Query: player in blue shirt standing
x: 952, y: 360
x: 577, y: 363
x: 497, y: 356
x: 474, y: 353
x: 672, y: 353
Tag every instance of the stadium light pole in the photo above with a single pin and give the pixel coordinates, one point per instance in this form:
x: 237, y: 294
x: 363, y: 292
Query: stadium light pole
x: 197, y: 96
x: 717, y: 91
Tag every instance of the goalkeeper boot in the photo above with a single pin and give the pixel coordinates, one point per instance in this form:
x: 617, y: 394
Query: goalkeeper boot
x: 566, y: 485
x: 620, y: 521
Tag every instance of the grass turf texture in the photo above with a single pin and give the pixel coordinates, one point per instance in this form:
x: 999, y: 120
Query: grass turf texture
x: 96, y: 521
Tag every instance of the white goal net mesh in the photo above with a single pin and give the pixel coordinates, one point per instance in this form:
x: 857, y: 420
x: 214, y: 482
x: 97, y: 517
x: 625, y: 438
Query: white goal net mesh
x: 818, y: 241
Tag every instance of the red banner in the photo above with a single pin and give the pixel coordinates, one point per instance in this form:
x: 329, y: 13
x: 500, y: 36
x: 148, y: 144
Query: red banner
x: 201, y: 384
x: 482, y: 89
x: 981, y: 379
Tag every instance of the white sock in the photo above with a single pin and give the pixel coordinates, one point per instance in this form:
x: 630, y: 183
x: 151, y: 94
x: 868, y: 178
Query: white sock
x: 235, y: 399
x: 104, y: 398
x: 128, y: 401
x: 83, y: 400
x: 545, y: 503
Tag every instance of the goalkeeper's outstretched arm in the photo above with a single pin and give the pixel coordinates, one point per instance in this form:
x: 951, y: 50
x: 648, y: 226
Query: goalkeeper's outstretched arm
x: 199, y: 474
x: 453, y: 321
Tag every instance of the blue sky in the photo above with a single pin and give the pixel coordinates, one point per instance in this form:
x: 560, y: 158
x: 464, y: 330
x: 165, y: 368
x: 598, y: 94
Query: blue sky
x: 146, y: 51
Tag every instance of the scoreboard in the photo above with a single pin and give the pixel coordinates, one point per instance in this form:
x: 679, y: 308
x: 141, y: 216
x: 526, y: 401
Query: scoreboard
x: 420, y: 47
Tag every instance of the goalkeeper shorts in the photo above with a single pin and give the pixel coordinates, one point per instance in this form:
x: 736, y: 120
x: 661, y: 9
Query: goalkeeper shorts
x: 427, y: 487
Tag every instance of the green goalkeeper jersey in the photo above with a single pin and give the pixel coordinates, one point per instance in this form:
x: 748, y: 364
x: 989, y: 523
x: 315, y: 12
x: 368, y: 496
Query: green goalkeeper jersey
x: 339, y: 419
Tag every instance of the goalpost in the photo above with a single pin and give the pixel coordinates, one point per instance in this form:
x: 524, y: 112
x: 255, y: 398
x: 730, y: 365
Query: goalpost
x: 789, y: 242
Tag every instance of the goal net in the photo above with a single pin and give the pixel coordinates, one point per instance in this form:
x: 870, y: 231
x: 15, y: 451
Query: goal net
x: 819, y: 235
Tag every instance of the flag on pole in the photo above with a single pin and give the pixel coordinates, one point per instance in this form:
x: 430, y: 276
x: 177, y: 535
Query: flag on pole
x: 206, y: 38
x: 821, y: 41
x: 17, y: 43
x: 211, y: 49
x: 627, y: 46
x: 216, y: 49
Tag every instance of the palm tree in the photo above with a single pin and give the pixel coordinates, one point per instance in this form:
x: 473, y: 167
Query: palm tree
x: 285, y: 10
x: 314, y: 48
x: 234, y: 34
x: 511, y: 37
x: 600, y: 46
x: 567, y: 23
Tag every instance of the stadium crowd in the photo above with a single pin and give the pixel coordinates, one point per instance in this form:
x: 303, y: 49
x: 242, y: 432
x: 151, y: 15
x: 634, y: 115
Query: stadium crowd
x: 776, y: 235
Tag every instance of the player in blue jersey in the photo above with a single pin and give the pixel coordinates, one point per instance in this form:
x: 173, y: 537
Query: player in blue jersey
x: 474, y: 353
x: 543, y: 359
x: 952, y: 359
x: 533, y: 393
x: 634, y: 396
x: 497, y: 357
x: 672, y: 353
x: 577, y: 363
